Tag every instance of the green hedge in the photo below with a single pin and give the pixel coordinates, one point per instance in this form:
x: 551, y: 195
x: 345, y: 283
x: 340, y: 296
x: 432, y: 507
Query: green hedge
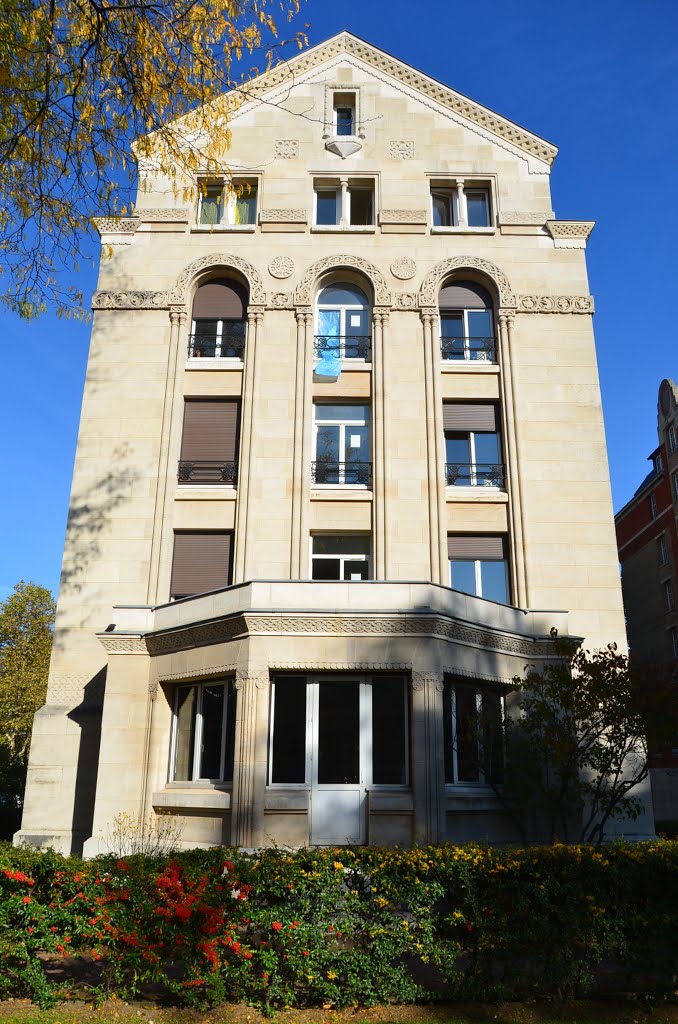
x: 347, y: 926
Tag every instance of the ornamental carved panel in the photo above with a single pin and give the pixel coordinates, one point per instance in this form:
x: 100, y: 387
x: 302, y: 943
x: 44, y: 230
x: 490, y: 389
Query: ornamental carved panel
x: 281, y: 267
x: 555, y: 304
x: 130, y: 300
x: 382, y: 296
x: 398, y: 149
x: 287, y: 149
x: 404, y: 269
x: 429, y: 290
x: 224, y: 260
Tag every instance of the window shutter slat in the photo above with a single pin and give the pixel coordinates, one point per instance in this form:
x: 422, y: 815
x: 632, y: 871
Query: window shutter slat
x: 202, y: 562
x: 220, y: 300
x: 210, y: 431
x: 469, y: 416
x: 478, y: 546
x: 464, y: 295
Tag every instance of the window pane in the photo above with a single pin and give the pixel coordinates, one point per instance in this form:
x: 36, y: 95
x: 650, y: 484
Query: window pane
x: 329, y: 321
x: 288, y: 751
x: 326, y: 207
x: 480, y: 323
x: 487, y: 448
x: 493, y: 737
x: 231, y: 698
x: 326, y: 569
x: 356, y: 445
x: 344, y: 121
x: 389, y: 750
x: 494, y: 581
x: 463, y: 575
x: 440, y: 204
x: 246, y: 207
x: 467, y: 737
x: 342, y: 413
x: 448, y: 726
x: 184, y: 742
x: 343, y: 544
x: 356, y: 569
x: 362, y: 205
x: 338, y: 733
x: 212, y: 715
x: 327, y: 443
x: 210, y: 207
x: 478, y: 209
x: 342, y: 295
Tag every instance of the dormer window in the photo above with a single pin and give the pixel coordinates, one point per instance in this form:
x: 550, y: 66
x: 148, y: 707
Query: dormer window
x: 342, y: 128
x: 344, y: 113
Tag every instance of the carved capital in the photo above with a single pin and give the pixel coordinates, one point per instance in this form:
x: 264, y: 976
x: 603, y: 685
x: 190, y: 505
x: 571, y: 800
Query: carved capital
x: 433, y: 680
x: 259, y: 680
x: 429, y: 314
x: 303, y: 314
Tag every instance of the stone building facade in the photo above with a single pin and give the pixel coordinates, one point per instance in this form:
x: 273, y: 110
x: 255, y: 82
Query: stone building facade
x: 341, y: 474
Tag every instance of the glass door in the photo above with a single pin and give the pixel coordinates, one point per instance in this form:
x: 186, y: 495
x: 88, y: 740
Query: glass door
x: 339, y: 711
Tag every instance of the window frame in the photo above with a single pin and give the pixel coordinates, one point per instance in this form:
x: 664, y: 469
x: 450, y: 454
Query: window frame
x: 669, y: 600
x: 344, y: 424
x: 343, y: 309
x: 359, y: 557
x: 482, y: 691
x: 673, y: 632
x: 477, y: 563
x: 675, y: 485
x: 475, y: 479
x: 672, y: 439
x: 227, y: 202
x: 662, y: 549
x: 653, y: 506
x: 197, y: 719
x: 343, y: 205
x: 344, y: 100
x: 456, y: 191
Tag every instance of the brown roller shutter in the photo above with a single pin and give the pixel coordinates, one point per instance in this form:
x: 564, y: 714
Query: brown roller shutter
x: 469, y: 416
x: 464, y: 295
x: 210, y: 430
x: 202, y: 562
x: 478, y: 546
x: 220, y: 300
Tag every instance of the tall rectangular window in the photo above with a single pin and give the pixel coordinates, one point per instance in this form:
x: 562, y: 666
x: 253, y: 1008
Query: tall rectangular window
x: 668, y: 596
x: 673, y: 442
x: 342, y: 445
x: 473, y: 724
x: 472, y: 445
x: 203, y: 732
x: 653, y: 506
x: 344, y: 113
x: 340, y: 556
x: 209, y: 441
x: 479, y: 566
x: 201, y: 562
x: 662, y: 551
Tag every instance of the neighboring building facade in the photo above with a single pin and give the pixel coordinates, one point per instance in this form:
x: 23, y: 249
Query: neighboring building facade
x: 291, y: 594
x: 647, y: 539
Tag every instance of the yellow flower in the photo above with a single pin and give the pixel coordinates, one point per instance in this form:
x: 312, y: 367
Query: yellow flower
x: 338, y: 866
x: 331, y: 975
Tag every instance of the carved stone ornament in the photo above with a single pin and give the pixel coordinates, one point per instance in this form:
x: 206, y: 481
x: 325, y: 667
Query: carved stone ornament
x: 258, y: 679
x: 429, y: 289
x: 67, y: 689
x: 515, y: 217
x: 225, y: 260
x: 116, y: 225
x: 570, y: 228
x: 287, y: 149
x: 555, y: 304
x: 402, y: 217
x: 422, y: 679
x: 343, y: 147
x: 159, y: 215
x: 130, y: 300
x: 406, y: 300
x: 341, y: 666
x: 302, y: 295
x: 153, y: 690
x: 213, y: 670
x: 400, y: 150
x: 404, y: 269
x: 283, y: 215
x: 281, y: 266
x: 282, y: 300
x: 113, y: 644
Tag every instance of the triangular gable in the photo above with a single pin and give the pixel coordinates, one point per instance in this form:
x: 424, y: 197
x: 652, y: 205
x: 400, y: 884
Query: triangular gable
x: 346, y: 43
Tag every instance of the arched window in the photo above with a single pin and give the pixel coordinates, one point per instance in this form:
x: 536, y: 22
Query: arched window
x: 218, y: 320
x: 343, y: 323
x: 466, y: 322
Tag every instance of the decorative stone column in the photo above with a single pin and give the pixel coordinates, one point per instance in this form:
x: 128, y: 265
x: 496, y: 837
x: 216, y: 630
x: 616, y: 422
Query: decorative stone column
x: 306, y: 438
x: 250, y: 759
x: 434, y: 446
x: 515, y: 453
x: 379, y: 471
x: 255, y: 316
x: 302, y: 411
x: 462, y: 213
x: 171, y: 412
x: 428, y: 765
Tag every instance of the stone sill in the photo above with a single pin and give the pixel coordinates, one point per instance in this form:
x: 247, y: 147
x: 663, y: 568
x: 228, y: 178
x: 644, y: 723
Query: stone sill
x: 196, y: 492
x: 197, y: 798
x: 468, y: 366
x: 213, y: 363
x: 328, y: 492
x: 463, y: 230
x: 217, y: 229
x: 490, y: 495
x: 349, y: 229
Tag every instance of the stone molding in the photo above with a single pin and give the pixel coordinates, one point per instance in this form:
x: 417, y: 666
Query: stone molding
x: 302, y: 295
x: 130, y: 300
x: 113, y: 644
x: 422, y: 679
x: 454, y: 670
x: 282, y: 300
x: 428, y: 295
x: 404, y: 268
x: 340, y: 666
x: 245, y: 624
x: 403, y: 217
x: 555, y: 304
x: 116, y: 225
x: 406, y: 300
x: 281, y: 267
x: 287, y: 149
x: 154, y: 216
x: 214, y: 670
x: 399, y: 149
x: 179, y: 292
x: 283, y: 216
x: 409, y: 77
x: 516, y: 218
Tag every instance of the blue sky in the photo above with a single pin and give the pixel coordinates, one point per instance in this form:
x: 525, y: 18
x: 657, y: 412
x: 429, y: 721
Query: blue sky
x: 599, y: 78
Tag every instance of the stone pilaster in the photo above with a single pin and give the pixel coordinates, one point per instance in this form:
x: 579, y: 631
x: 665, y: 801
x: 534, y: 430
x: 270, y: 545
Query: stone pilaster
x: 249, y: 767
x: 428, y: 770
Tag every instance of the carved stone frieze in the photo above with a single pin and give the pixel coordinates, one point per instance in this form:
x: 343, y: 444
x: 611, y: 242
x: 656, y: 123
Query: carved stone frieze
x: 406, y: 300
x: 130, y: 300
x: 113, y: 644
x: 282, y: 300
x: 287, y: 149
x: 68, y: 689
x: 213, y: 670
x: 116, y: 225
x: 403, y: 217
x: 555, y: 304
x: 515, y: 217
x: 178, y: 293
x: 201, y: 635
x: 404, y: 268
x: 429, y: 289
x: 570, y: 228
x: 281, y: 215
x: 281, y: 267
x: 341, y: 666
x: 399, y: 149
x: 382, y: 296
x: 175, y: 215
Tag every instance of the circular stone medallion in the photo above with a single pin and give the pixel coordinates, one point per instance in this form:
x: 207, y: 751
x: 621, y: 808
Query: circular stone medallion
x: 281, y: 266
x: 404, y: 268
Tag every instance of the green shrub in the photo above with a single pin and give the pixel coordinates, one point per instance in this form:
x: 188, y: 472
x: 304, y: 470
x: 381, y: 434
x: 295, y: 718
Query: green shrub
x: 346, y: 927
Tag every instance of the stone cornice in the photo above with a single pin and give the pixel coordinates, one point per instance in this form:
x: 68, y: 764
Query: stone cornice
x: 116, y: 225
x: 515, y: 218
x: 429, y: 88
x: 283, y: 216
x: 570, y: 234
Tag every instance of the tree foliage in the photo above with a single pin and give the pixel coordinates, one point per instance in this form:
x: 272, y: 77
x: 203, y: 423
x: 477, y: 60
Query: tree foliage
x: 26, y: 626
x: 580, y: 749
x: 79, y: 81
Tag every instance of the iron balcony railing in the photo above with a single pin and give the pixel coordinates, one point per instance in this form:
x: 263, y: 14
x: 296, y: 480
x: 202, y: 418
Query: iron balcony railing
x: 207, y: 471
x: 474, y: 474
x: 341, y: 473
x: 344, y: 346
x: 230, y: 344
x: 469, y: 349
